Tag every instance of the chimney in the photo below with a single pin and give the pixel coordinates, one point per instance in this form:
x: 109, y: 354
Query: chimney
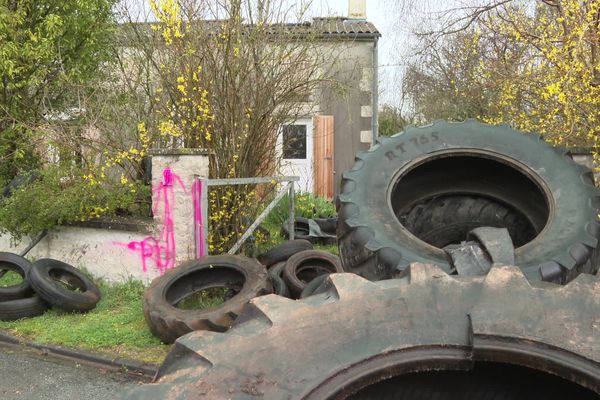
x: 357, y: 9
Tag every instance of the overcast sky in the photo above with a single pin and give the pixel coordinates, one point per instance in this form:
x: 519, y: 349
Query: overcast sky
x: 384, y: 15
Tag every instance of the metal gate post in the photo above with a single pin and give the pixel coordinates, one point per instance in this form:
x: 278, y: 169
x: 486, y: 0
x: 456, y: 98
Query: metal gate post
x: 200, y: 197
x: 292, y: 217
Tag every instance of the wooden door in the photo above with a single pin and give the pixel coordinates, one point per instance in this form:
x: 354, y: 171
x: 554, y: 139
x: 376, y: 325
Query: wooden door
x: 323, y: 156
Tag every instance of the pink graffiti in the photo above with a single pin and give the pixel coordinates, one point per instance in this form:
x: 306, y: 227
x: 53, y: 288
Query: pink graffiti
x: 198, y: 223
x: 160, y: 251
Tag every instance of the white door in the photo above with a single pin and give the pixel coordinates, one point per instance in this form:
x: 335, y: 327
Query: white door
x: 295, y: 149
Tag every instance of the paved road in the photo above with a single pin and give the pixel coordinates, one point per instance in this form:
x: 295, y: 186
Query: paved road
x: 32, y: 376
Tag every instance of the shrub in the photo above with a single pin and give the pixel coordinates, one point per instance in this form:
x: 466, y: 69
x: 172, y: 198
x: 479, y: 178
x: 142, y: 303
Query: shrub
x: 307, y: 206
x: 57, y: 199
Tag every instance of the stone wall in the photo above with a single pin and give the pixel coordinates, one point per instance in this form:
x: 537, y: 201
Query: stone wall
x: 118, y: 250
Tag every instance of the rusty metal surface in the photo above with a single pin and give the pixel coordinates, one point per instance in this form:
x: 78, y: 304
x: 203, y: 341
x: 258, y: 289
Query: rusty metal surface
x: 358, y: 332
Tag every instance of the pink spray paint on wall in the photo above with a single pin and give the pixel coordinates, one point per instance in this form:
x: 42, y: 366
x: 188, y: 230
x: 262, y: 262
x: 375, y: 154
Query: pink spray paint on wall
x: 160, y: 251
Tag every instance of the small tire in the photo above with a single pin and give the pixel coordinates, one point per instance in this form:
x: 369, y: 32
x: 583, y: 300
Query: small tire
x: 283, y: 251
x: 13, y: 310
x: 327, y: 225
x: 305, y: 266
x: 20, y: 265
x: 302, y: 231
x: 315, y: 286
x: 279, y: 286
x: 238, y: 273
x: 45, y: 277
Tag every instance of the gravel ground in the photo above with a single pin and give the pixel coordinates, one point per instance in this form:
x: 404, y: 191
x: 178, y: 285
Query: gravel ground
x: 32, y: 376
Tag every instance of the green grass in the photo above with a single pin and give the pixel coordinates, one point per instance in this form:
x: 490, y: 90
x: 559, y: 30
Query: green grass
x: 116, y: 327
x: 203, y: 299
x: 331, y: 248
x: 10, y: 278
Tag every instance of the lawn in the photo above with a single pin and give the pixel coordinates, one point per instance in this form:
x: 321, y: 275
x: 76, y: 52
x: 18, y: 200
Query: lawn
x: 116, y: 327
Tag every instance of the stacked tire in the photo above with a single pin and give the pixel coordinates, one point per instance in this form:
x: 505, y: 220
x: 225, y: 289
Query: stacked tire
x: 294, y: 265
x: 44, y: 283
x: 289, y: 270
x: 19, y: 300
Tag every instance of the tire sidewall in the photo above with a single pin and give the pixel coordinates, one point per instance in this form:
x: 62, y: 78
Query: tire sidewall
x: 15, y: 263
x: 155, y: 299
x: 50, y: 291
x: 379, y: 168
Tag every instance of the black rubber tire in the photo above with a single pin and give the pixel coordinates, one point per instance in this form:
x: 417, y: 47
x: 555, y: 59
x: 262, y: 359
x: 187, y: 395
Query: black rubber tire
x: 313, y: 287
x: 283, y: 251
x: 359, y: 333
x: 327, y: 225
x: 13, y: 310
x: 20, y: 265
x: 520, y: 171
x: 244, y: 275
x: 276, y: 275
x: 302, y: 230
x: 448, y: 220
x: 305, y: 266
x: 486, y: 382
x: 46, y: 276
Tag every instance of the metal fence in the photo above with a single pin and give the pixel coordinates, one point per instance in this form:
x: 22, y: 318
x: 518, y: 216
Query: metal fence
x: 201, y: 213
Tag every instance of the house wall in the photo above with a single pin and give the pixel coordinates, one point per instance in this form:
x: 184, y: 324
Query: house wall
x: 142, y: 250
x: 349, y: 100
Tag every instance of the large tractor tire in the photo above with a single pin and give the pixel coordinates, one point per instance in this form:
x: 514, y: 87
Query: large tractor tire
x: 493, y: 337
x: 421, y: 190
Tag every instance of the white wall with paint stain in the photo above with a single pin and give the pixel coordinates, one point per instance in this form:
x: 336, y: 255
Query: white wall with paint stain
x: 104, y: 252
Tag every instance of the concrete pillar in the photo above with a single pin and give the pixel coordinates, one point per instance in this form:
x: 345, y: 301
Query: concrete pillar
x: 173, y: 172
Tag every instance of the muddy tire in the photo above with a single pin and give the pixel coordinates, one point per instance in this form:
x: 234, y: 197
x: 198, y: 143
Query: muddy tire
x: 519, y: 172
x: 313, y: 287
x: 354, y: 336
x: 283, y: 251
x: 63, y: 286
x: 303, y: 267
x: 245, y: 277
x: 276, y: 275
x: 20, y: 265
x: 29, y: 307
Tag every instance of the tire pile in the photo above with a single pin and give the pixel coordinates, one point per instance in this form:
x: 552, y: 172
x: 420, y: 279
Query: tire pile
x: 407, y: 323
x: 290, y: 269
x: 46, y: 283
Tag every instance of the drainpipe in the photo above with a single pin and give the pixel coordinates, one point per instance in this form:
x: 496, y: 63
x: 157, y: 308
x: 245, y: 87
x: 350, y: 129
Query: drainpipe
x: 375, y: 94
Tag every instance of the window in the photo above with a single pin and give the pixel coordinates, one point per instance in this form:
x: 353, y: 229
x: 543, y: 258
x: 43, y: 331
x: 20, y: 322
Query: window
x: 294, y: 141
